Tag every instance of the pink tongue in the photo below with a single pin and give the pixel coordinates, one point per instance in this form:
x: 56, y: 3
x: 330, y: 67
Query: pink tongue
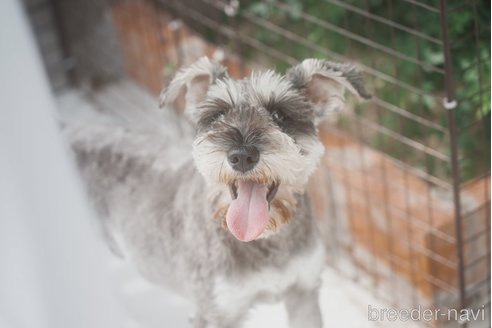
x: 248, y: 215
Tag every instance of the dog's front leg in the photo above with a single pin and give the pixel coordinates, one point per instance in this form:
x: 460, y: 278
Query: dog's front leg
x: 303, y: 308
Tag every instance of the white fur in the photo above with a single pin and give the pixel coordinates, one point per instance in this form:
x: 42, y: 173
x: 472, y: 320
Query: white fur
x: 209, y: 161
x: 269, y: 86
x: 314, y: 149
x: 303, y: 270
x: 225, y: 89
x: 285, y: 163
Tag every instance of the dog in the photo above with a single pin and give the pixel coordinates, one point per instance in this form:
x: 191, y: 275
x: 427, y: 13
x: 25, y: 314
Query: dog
x: 221, y: 214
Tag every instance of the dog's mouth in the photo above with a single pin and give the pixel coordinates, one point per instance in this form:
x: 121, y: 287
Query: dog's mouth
x: 272, y: 190
x: 249, y: 212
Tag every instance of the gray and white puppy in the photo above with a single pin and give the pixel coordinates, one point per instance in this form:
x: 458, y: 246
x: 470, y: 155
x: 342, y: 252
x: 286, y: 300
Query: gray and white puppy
x: 224, y: 220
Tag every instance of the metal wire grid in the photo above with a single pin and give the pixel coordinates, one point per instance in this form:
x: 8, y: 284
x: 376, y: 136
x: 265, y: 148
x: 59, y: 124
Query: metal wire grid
x: 459, y: 281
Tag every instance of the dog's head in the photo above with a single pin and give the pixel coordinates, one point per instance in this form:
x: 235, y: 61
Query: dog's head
x: 256, y: 140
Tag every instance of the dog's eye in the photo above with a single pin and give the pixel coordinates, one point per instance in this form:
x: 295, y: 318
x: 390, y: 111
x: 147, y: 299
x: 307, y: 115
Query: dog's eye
x: 219, y: 115
x: 278, y: 117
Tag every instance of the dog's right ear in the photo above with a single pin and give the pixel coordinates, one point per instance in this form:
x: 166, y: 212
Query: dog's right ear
x: 324, y: 84
x: 190, y: 85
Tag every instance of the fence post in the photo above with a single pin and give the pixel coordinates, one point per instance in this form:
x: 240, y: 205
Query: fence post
x: 450, y: 103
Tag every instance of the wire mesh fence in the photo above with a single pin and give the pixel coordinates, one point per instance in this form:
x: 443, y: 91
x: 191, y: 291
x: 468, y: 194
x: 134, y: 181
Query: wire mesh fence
x: 403, y: 194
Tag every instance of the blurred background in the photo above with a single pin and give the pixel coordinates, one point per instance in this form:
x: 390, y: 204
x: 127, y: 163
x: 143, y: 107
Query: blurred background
x: 403, y: 192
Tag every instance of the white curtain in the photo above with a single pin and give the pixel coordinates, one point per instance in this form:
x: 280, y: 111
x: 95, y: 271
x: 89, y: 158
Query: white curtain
x: 51, y: 261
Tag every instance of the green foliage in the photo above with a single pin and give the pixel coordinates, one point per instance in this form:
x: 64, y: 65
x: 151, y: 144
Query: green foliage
x: 411, y: 51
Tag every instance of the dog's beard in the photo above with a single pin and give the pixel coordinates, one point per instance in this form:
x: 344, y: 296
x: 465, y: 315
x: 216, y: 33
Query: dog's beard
x: 256, y: 203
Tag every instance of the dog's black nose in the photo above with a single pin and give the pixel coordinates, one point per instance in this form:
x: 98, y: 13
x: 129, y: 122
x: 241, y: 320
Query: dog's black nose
x: 243, y: 159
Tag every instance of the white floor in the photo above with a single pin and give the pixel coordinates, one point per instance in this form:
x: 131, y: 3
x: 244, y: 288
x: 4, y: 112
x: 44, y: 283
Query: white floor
x: 343, y: 303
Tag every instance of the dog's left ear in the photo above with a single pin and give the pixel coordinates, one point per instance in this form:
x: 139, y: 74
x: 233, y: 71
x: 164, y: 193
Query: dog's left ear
x: 190, y: 85
x: 324, y: 83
